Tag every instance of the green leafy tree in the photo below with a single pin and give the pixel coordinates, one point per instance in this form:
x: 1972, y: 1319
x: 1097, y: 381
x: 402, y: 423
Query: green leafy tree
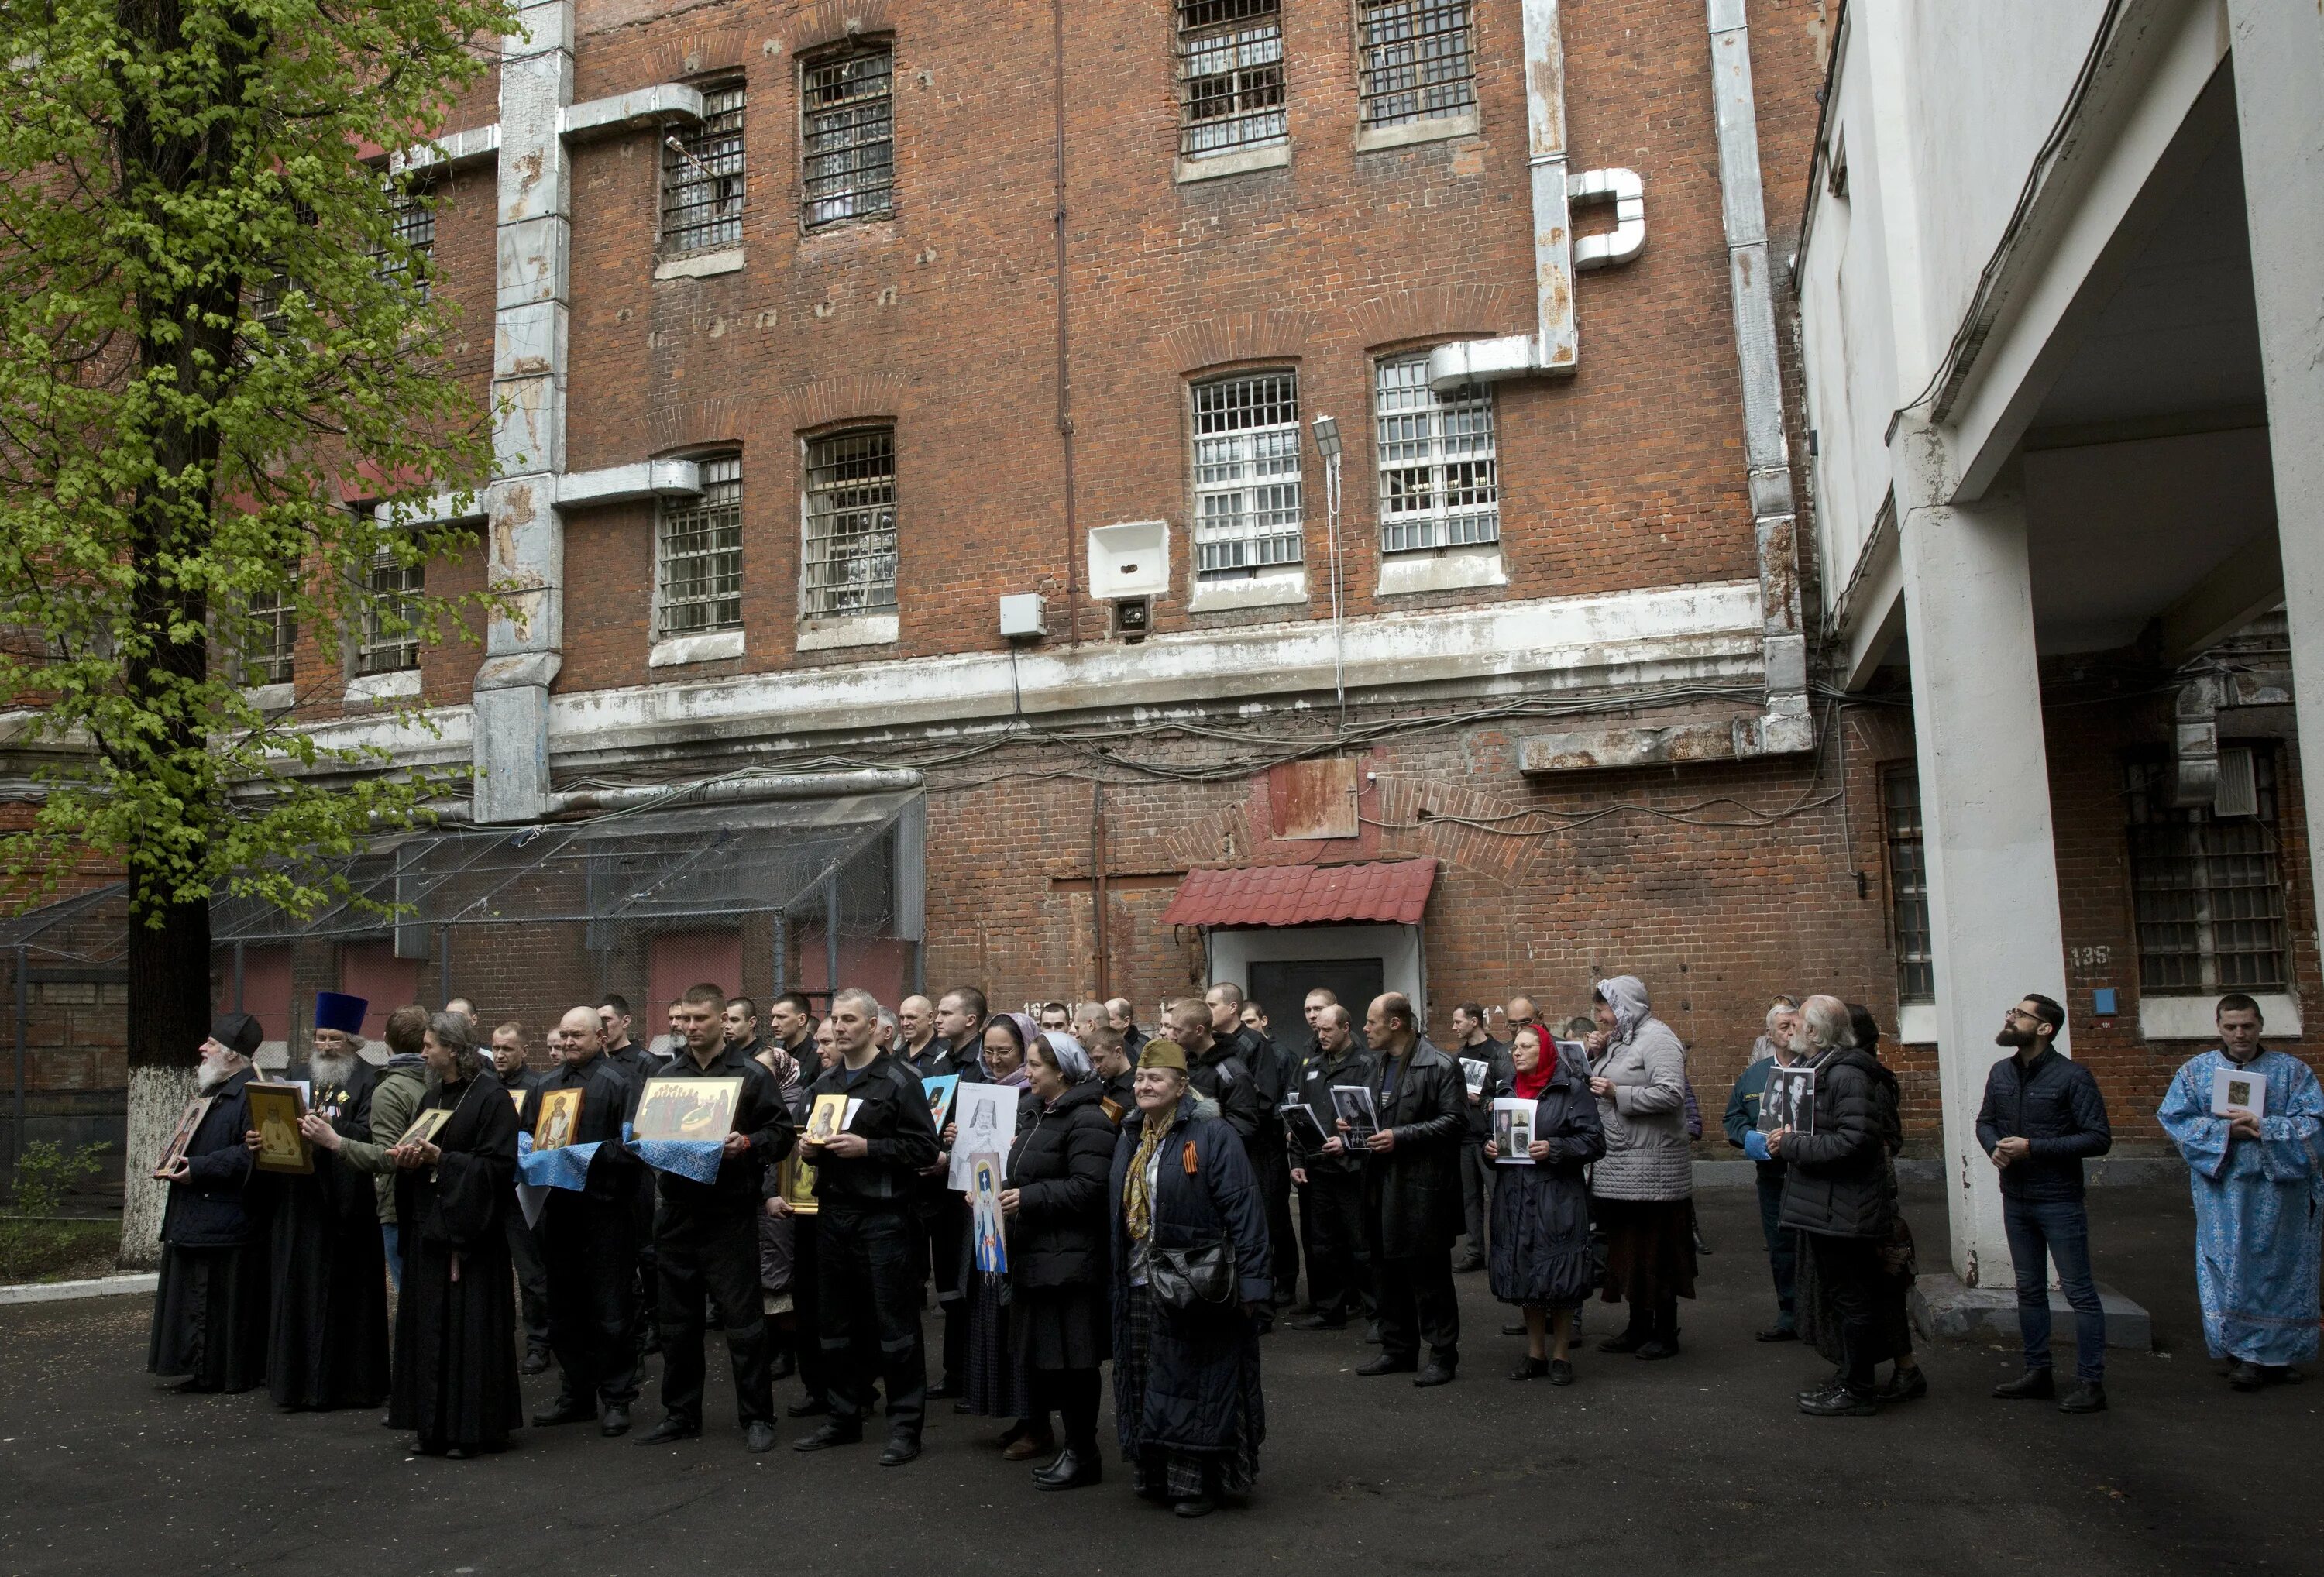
x: 213, y: 333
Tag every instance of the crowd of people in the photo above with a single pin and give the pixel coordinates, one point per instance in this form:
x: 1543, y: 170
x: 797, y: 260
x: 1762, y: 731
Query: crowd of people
x: 1160, y: 1198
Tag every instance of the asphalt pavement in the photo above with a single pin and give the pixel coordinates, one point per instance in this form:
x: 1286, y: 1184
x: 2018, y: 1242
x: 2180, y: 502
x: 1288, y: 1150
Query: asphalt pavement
x: 1697, y: 1463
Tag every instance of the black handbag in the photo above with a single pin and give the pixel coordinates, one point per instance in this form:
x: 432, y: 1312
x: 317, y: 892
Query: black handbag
x: 1185, y: 1280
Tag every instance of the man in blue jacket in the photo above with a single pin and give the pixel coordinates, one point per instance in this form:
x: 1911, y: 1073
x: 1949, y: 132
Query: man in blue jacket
x: 2042, y: 1115
x: 1742, y: 1125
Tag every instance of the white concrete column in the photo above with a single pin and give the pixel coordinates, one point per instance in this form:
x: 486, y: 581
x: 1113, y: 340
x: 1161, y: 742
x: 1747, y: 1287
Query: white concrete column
x: 1985, y: 804
x: 2279, y: 65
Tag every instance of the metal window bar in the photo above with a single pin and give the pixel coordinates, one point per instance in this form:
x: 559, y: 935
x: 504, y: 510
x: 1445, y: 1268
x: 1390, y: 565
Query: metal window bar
x: 847, y: 139
x: 1908, y: 885
x: 413, y: 221
x: 390, y: 643
x: 698, y: 554
x: 2207, y: 891
x: 1439, y: 468
x: 851, y: 524
x: 1247, y: 481
x: 1419, y: 60
x: 272, y: 637
x: 1231, y: 89
x: 703, y: 190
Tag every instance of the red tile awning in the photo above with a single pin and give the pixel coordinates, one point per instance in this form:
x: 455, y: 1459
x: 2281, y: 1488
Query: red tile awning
x: 1390, y: 892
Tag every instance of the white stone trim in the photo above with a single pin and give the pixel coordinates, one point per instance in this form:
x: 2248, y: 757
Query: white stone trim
x: 2197, y: 1017
x: 401, y: 683
x: 1916, y: 1023
x: 1441, y: 569
x: 863, y: 629
x: 1242, y: 162
x: 43, y: 1292
x: 673, y: 650
x: 1467, y: 122
x: 702, y: 265
x: 272, y: 697
x: 640, y: 107
x: 1270, y: 588
x: 626, y: 484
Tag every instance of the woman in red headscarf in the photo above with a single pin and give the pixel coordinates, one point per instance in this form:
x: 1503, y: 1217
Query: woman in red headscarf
x: 1541, y: 1260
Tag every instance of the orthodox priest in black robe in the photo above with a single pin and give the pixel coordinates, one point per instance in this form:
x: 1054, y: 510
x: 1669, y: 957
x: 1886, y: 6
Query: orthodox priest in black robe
x: 455, y: 1379
x: 210, y: 1317
x: 327, y: 1340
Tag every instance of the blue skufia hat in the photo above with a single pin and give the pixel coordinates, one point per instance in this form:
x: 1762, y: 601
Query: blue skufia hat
x: 338, y: 1011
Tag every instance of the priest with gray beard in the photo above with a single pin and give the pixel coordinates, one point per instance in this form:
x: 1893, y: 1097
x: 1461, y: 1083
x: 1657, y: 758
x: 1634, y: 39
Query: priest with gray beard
x: 326, y: 1339
x: 209, y: 1316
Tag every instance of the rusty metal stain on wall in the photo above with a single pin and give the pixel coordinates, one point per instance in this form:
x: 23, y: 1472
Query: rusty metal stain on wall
x: 1313, y: 799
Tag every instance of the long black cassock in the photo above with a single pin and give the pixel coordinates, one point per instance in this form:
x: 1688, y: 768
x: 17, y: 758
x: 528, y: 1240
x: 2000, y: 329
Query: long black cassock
x: 456, y: 1383
x: 326, y: 1339
x: 210, y: 1317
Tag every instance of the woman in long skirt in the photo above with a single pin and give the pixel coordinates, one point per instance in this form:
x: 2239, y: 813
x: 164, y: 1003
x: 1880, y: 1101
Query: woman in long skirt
x: 996, y: 1388
x: 1541, y: 1260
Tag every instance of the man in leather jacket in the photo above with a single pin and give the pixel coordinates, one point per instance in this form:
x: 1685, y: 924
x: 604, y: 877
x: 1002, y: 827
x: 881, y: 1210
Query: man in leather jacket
x: 1412, y: 1194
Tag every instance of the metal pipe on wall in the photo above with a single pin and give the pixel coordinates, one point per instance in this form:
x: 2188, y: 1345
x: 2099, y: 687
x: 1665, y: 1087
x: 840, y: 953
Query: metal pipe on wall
x: 1097, y: 886
x: 1064, y: 340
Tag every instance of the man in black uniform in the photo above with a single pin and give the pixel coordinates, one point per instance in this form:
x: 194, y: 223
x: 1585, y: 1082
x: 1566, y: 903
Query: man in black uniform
x: 588, y: 1237
x: 706, y: 1236
x: 1215, y: 1067
x: 943, y: 1210
x: 867, y: 1185
x: 1412, y: 1194
x: 1470, y: 1043
x: 1339, y: 1271
x: 1276, y: 1071
x: 524, y: 1240
x: 637, y: 1063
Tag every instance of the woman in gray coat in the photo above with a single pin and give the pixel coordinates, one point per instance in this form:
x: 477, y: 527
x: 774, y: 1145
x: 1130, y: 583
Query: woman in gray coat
x: 1642, y: 1190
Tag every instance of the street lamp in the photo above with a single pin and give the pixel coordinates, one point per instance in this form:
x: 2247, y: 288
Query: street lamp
x: 1327, y: 444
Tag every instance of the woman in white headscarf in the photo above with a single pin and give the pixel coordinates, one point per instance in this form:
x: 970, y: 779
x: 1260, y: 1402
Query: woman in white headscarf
x: 1642, y: 1190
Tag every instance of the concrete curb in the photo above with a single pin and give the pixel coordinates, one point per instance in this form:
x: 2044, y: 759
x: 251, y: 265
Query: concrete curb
x: 45, y: 1292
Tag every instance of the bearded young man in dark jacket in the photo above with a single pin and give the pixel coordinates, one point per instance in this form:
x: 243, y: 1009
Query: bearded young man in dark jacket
x: 1412, y: 1192
x: 1835, y: 1191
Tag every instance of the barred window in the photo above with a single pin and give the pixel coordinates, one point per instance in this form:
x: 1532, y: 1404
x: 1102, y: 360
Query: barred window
x: 1230, y: 76
x: 698, y: 555
x: 1247, y: 512
x: 389, y: 641
x: 848, y: 137
x: 1908, y: 884
x: 2207, y: 889
x: 1438, y: 477
x: 1419, y: 61
x: 851, y: 524
x: 270, y: 638
x: 413, y: 220
x: 703, y: 177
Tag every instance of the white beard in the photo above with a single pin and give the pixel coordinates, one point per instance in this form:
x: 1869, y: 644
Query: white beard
x: 211, y: 1075
x: 332, y: 1070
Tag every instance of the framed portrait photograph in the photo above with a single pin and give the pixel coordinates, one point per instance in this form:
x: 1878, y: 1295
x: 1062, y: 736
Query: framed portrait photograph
x: 554, y: 1125
x: 275, y: 1112
x: 1353, y: 1104
x: 1474, y: 1073
x: 687, y: 1109
x: 1512, y: 1119
x: 426, y: 1127
x: 795, y: 1179
x: 173, y: 1148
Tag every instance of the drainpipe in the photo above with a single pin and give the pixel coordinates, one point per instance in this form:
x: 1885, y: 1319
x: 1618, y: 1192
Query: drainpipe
x: 1552, y: 349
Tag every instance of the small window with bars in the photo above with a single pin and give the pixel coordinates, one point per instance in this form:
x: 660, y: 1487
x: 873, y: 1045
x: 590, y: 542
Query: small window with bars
x: 1247, y: 503
x: 270, y: 638
x: 1231, y: 92
x: 1908, y: 884
x: 412, y: 218
x: 390, y: 642
x: 847, y: 135
x: 1419, y: 61
x: 703, y: 177
x: 2207, y: 888
x: 698, y: 555
x: 851, y: 524
x: 1439, y: 473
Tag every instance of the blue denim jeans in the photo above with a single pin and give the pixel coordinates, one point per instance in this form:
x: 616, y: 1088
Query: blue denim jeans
x: 1782, y: 1247
x: 2056, y: 1229
x: 388, y: 1237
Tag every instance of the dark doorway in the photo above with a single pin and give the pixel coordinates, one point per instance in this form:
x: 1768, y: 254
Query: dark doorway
x: 1282, y: 990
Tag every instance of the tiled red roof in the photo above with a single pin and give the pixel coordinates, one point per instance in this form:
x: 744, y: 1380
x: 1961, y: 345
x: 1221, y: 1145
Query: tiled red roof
x: 1391, y: 892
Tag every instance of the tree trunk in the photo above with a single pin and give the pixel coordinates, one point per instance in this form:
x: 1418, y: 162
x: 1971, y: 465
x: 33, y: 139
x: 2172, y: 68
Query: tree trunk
x: 169, y: 1018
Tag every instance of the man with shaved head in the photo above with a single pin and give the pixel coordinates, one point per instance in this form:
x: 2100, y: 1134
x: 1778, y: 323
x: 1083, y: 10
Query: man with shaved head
x: 1412, y: 1194
x: 1122, y: 1015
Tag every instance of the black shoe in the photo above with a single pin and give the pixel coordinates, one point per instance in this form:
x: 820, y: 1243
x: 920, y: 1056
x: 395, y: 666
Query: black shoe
x: 1072, y: 1470
x: 901, y: 1448
x: 1628, y: 1342
x: 1315, y: 1323
x: 783, y: 1366
x: 947, y: 1391
x: 760, y: 1436
x: 1827, y: 1383
x: 1776, y: 1333
x: 668, y: 1430
x: 2283, y: 1374
x: 813, y: 1407
x: 1658, y: 1348
x: 1372, y: 1333
x: 2035, y: 1385
x: 1907, y: 1385
x: 536, y: 1362
x: 1561, y: 1372
x: 834, y: 1433
x: 962, y: 1406
x: 1530, y: 1369
x: 1196, y: 1506
x: 564, y: 1410
x: 1384, y: 1364
x: 2090, y: 1396
x: 2245, y: 1376
x: 1839, y: 1402
x: 1467, y: 1263
x: 615, y: 1422
x: 1435, y: 1374
x: 459, y: 1453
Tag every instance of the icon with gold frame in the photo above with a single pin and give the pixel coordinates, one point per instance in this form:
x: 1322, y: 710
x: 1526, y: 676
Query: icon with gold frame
x: 275, y: 1112
x: 182, y: 1135
x: 687, y: 1109
x: 795, y: 1180
x: 554, y: 1124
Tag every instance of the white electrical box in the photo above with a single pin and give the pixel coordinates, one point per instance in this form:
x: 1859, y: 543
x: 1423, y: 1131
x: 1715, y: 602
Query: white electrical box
x: 1025, y: 617
x: 1131, y: 560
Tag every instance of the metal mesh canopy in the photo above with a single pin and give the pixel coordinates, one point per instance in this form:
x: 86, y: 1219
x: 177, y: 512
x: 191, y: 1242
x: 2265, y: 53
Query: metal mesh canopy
x: 855, y: 855
x: 86, y: 929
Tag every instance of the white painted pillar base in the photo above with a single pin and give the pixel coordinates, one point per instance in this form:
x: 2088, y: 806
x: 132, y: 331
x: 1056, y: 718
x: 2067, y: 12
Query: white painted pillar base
x: 1984, y: 805
x: 156, y: 1098
x: 2279, y: 66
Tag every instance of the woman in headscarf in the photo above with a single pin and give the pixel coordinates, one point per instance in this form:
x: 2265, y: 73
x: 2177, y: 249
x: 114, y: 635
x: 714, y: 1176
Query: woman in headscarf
x: 1541, y: 1260
x: 1054, y: 1202
x: 996, y: 1386
x: 779, y: 1230
x: 1186, y: 1397
x: 1642, y: 1191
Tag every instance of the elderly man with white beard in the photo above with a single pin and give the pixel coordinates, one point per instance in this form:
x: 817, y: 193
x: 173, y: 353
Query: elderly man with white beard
x: 210, y: 1316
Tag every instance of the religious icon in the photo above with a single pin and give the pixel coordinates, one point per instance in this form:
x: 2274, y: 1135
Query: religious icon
x: 274, y: 1112
x: 1513, y: 1117
x: 984, y: 1195
x: 2234, y: 1088
x: 827, y: 1119
x: 182, y: 1135
x: 940, y: 1089
x: 986, y: 1116
x: 687, y: 1109
x: 559, y: 1115
x: 425, y: 1127
x: 795, y: 1178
